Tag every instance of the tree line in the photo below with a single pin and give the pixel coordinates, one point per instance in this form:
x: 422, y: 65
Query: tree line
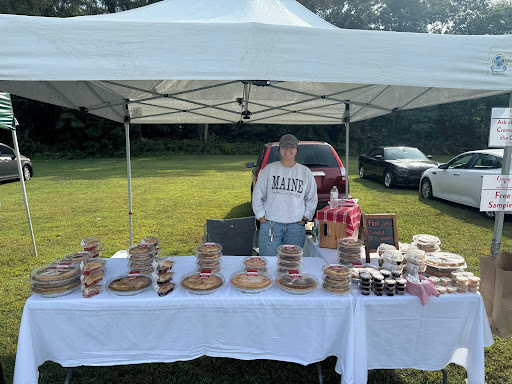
x: 52, y: 131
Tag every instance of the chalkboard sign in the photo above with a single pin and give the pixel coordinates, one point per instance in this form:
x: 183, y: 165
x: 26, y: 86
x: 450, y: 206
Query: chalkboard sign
x: 378, y: 229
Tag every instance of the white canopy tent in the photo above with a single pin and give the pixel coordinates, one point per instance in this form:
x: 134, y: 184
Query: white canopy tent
x: 250, y: 61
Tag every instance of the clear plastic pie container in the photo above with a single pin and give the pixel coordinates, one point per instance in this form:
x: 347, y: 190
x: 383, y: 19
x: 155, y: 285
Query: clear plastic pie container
x: 150, y: 240
x: 142, y: 252
x: 251, y: 281
x: 162, y: 264
x: 162, y: 278
x: 91, y: 290
x: 336, y: 290
x: 56, y: 274
x: 202, y: 282
x: 337, y: 271
x: 129, y: 284
x: 90, y: 265
x: 338, y: 280
x: 135, y: 262
x: 289, y: 250
x: 164, y: 289
x: 93, y: 278
x: 76, y: 257
x: 208, y: 249
x: 90, y: 243
x: 297, y: 283
x: 255, y: 262
x: 50, y: 291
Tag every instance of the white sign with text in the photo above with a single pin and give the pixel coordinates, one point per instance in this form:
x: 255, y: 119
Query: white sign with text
x: 500, y: 134
x: 496, y: 193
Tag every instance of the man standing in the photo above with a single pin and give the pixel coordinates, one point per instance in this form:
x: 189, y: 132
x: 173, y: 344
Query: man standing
x: 284, y: 199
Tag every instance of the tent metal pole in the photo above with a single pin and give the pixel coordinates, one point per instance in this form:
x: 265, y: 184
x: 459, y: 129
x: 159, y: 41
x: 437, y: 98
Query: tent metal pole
x: 346, y: 120
x: 500, y: 215
x: 129, y: 174
x: 23, y: 190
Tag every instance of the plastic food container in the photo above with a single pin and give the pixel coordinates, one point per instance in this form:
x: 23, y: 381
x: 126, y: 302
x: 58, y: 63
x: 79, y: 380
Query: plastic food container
x: 91, y: 290
x: 336, y: 289
x: 164, y: 289
x: 251, y: 281
x: 385, y: 247
x: 90, y: 243
x: 56, y: 273
x: 289, y: 250
x: 129, y: 284
x: 162, y: 278
x: 297, y: 283
x: 441, y: 289
x: 93, y: 278
x: 255, y: 262
x: 76, y: 257
x: 49, y: 290
x: 337, y: 271
x: 208, y: 250
x: 202, y: 282
x: 90, y: 265
x: 150, y: 240
x: 141, y: 252
x: 435, y: 280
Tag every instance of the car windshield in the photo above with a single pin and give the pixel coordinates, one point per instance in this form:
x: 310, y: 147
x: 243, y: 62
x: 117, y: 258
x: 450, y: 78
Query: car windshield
x: 404, y: 153
x: 313, y: 156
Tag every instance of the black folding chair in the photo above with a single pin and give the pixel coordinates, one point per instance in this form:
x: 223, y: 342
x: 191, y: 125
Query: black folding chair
x: 237, y: 236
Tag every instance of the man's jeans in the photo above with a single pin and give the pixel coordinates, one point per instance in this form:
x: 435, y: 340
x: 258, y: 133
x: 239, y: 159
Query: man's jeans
x: 292, y: 233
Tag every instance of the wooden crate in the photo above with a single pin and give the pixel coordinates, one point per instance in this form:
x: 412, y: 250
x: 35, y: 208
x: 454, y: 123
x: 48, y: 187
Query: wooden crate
x: 330, y: 233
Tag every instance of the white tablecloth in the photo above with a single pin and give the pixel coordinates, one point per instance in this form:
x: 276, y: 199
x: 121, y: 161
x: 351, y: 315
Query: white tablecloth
x: 398, y: 332
x: 110, y: 330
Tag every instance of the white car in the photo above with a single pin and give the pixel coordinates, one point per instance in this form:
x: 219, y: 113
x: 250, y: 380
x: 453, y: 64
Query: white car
x: 460, y: 179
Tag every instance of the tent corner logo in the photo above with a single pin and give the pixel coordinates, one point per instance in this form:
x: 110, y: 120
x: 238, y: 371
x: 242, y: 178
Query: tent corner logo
x: 499, y: 65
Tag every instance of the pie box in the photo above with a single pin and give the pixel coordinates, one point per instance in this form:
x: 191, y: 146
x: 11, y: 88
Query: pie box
x: 91, y: 290
x: 289, y: 250
x: 90, y: 243
x: 141, y: 252
x: 202, y: 274
x: 148, y: 281
x: 252, y: 277
x: 77, y: 257
x: 90, y: 265
x: 56, y: 274
x: 296, y: 282
x: 255, y: 262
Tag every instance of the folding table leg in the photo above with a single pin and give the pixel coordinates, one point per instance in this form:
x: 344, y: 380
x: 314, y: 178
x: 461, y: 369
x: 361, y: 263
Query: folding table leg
x: 319, y: 370
x: 445, y: 376
x: 68, y: 375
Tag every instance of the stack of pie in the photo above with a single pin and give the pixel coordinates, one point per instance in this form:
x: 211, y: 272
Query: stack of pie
x: 385, y: 247
x: 414, y: 261
x: 163, y: 275
x: 442, y: 264
x: 296, y: 282
x: 77, y: 257
x: 91, y: 244
x: 55, y: 279
x: 289, y: 258
x: 201, y: 283
x: 337, y: 278
x: 251, y: 281
x: 141, y: 257
x: 129, y: 284
x: 350, y: 251
x: 93, y: 272
x: 427, y: 243
x: 208, y: 256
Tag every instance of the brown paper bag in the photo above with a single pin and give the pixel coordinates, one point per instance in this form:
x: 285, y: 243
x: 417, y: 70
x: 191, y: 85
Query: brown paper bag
x: 496, y: 290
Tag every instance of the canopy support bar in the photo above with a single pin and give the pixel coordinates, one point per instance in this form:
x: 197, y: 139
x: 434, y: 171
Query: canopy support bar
x: 500, y: 215
x: 129, y: 171
x: 23, y: 190
x: 346, y: 120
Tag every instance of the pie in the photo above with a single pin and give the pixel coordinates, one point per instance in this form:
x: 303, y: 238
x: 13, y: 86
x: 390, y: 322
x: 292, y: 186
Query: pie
x: 195, y: 282
x: 129, y: 283
x: 141, y: 250
x: 208, y: 255
x: 166, y: 288
x: 337, y: 281
x: 76, y: 257
x: 337, y: 270
x: 245, y: 281
x: 150, y: 240
x: 90, y: 265
x: 50, y: 289
x: 93, y: 278
x: 163, y: 263
x: 338, y: 289
x: 302, y: 284
x: 55, y: 272
x: 164, y: 277
x: 91, y: 291
x: 209, y: 248
x: 289, y: 249
x: 90, y: 243
x: 255, y: 262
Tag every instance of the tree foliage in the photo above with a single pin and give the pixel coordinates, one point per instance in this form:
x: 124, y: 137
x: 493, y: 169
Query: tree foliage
x: 445, y: 128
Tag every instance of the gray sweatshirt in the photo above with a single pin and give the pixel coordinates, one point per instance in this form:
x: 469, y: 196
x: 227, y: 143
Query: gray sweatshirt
x: 285, y: 195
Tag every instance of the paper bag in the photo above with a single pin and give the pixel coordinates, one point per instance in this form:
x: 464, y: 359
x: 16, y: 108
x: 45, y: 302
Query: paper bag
x: 496, y: 291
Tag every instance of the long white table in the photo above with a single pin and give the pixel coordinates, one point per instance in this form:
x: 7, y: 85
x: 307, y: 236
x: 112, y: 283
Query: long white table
x: 111, y: 330
x: 398, y: 332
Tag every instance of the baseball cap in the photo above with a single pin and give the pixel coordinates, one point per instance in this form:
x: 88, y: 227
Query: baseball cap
x: 288, y: 140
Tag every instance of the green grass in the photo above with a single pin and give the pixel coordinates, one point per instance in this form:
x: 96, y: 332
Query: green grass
x: 172, y: 197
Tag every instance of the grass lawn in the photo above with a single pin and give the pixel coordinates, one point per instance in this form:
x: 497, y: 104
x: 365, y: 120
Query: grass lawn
x: 172, y: 197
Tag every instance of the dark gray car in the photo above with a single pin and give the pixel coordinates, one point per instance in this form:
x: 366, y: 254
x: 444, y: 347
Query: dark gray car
x: 9, y: 167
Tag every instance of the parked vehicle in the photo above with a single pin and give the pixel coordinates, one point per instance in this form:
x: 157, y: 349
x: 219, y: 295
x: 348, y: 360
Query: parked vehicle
x: 460, y: 179
x: 9, y: 167
x: 395, y: 165
x: 320, y: 157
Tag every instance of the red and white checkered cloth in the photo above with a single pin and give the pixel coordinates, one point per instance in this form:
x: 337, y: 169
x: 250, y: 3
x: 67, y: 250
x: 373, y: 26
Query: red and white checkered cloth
x: 348, y: 214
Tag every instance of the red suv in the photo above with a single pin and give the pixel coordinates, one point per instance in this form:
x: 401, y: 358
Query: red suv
x: 320, y: 157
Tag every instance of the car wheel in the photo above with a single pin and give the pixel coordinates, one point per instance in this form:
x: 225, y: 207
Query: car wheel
x: 388, y: 179
x: 361, y: 172
x: 26, y: 172
x: 491, y: 215
x: 426, y: 189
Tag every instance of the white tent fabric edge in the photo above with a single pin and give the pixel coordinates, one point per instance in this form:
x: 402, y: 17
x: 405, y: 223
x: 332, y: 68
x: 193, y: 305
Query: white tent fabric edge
x: 7, y: 114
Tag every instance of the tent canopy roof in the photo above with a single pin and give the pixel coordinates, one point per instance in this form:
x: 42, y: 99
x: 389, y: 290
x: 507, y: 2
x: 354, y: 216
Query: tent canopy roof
x: 256, y: 61
x: 6, y: 113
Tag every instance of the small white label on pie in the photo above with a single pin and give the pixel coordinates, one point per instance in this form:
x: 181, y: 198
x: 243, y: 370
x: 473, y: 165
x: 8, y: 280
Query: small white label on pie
x: 335, y: 266
x: 209, y: 244
x: 62, y: 266
x: 293, y: 273
x: 205, y: 273
x: 252, y: 272
x: 133, y: 275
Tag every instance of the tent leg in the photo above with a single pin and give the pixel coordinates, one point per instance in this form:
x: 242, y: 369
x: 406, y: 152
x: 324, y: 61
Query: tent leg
x: 23, y: 190
x: 129, y: 175
x: 346, y: 120
x: 500, y: 215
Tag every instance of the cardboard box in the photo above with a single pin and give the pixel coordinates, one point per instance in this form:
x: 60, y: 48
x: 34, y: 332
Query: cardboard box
x: 330, y: 232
